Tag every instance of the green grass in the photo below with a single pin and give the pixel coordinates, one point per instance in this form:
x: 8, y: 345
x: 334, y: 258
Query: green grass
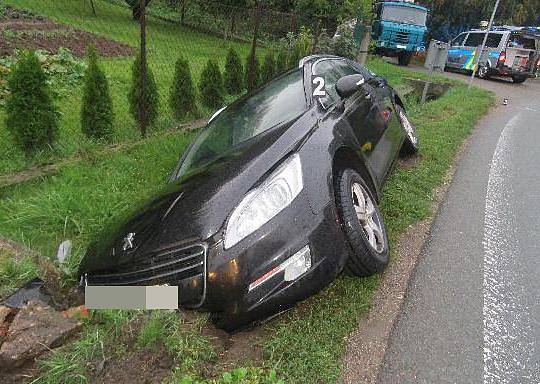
x: 308, y: 343
x: 14, y: 271
x: 166, y: 42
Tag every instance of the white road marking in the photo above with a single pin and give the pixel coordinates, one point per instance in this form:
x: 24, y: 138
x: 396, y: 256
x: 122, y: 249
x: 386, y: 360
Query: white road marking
x: 508, y: 333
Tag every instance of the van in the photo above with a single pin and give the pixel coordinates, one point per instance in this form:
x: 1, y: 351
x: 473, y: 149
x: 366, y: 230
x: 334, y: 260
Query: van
x: 512, y: 52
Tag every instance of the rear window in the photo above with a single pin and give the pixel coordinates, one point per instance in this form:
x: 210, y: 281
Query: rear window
x: 476, y: 39
x: 517, y: 41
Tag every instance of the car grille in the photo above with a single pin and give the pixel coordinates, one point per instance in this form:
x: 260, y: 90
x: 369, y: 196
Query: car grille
x: 158, y: 268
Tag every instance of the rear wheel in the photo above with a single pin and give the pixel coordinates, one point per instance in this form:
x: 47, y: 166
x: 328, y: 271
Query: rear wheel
x: 404, y: 58
x: 518, y: 79
x: 363, y: 225
x: 483, y: 72
x: 411, y: 144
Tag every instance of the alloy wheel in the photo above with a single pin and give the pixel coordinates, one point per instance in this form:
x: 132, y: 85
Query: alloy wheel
x: 368, y: 217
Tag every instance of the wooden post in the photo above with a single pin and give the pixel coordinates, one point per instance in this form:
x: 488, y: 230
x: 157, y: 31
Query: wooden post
x: 142, y: 103
x: 316, y: 35
x: 256, y: 21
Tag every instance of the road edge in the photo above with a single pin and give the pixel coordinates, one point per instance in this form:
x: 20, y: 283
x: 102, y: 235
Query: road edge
x: 366, y: 346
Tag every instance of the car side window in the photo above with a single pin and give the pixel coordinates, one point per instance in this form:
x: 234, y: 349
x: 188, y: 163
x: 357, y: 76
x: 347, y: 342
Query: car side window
x: 333, y: 70
x: 458, y: 41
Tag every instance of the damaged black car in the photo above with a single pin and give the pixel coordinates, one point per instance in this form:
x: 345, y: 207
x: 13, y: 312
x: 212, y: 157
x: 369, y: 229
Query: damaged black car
x: 276, y: 196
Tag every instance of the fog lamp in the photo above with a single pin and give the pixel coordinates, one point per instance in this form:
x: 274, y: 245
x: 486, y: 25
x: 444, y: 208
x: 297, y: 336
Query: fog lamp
x: 294, y: 267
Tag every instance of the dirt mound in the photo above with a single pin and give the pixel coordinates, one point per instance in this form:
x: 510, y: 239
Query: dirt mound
x: 35, y: 32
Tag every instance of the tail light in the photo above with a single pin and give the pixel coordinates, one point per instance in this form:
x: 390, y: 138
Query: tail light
x: 538, y: 63
x: 502, y: 58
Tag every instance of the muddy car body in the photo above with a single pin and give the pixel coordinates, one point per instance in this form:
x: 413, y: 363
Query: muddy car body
x: 250, y: 223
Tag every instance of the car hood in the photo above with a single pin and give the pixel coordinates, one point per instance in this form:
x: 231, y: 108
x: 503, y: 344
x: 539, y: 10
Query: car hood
x: 194, y: 208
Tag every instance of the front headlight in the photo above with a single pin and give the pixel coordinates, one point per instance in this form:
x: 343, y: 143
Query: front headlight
x: 261, y: 204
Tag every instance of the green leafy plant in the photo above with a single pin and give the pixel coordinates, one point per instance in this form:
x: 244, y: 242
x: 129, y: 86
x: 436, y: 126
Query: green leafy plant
x: 256, y: 71
x: 182, y: 96
x: 31, y: 116
x: 211, y: 85
x: 233, y: 73
x: 139, y: 105
x: 269, y: 68
x: 97, y: 110
x: 64, y: 71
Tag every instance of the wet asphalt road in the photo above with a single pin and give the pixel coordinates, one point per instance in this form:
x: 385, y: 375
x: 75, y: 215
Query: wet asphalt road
x: 472, y: 310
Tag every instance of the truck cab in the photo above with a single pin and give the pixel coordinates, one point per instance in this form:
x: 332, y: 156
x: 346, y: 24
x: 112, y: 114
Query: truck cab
x: 399, y: 29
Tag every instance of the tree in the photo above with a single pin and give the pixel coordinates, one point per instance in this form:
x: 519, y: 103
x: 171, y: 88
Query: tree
x: 269, y: 68
x: 211, y: 85
x: 31, y: 117
x: 233, y: 73
x: 182, y: 98
x: 135, y: 6
x: 97, y: 110
x: 148, y: 107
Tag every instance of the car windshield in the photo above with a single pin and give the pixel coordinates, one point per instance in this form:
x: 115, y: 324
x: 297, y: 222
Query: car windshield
x: 407, y: 15
x: 280, y: 101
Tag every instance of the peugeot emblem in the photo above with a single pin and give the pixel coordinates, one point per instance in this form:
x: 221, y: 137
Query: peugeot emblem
x: 128, y: 241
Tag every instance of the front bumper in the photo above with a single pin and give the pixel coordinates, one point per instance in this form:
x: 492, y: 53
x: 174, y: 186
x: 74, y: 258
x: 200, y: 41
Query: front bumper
x: 218, y: 280
x: 230, y: 272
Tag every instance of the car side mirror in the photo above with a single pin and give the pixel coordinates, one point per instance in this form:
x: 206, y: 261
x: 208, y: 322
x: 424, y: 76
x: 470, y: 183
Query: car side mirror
x: 349, y: 85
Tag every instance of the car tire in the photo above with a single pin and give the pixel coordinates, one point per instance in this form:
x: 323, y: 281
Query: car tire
x: 518, y: 79
x: 411, y: 144
x: 404, y: 58
x: 368, y: 245
x: 483, y: 72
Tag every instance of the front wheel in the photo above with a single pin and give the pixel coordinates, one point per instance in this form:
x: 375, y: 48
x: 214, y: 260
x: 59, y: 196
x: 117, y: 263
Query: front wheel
x: 518, y: 79
x: 411, y: 144
x: 363, y: 225
x: 404, y: 58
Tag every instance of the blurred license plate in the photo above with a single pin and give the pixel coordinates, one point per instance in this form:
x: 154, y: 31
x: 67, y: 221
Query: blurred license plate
x: 401, y: 46
x: 130, y: 297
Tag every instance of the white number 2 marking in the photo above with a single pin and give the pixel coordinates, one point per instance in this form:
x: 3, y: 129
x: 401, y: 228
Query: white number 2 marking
x: 319, y: 90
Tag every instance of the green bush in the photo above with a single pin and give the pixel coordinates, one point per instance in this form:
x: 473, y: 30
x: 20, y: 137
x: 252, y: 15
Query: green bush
x: 256, y: 72
x: 97, y: 111
x: 211, y: 85
x: 281, y: 61
x: 233, y: 73
x: 269, y: 68
x: 150, y: 104
x: 31, y: 117
x: 182, y: 98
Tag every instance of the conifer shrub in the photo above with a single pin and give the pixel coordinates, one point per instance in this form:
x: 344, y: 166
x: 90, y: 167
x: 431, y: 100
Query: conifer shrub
x: 97, y: 110
x: 256, y: 72
x: 281, y: 62
x: 233, y: 73
x: 182, y: 95
x: 150, y: 104
x: 211, y: 85
x: 269, y: 68
x: 31, y: 116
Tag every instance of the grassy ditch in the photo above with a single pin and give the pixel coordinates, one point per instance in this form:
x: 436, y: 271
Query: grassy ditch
x: 304, y: 345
